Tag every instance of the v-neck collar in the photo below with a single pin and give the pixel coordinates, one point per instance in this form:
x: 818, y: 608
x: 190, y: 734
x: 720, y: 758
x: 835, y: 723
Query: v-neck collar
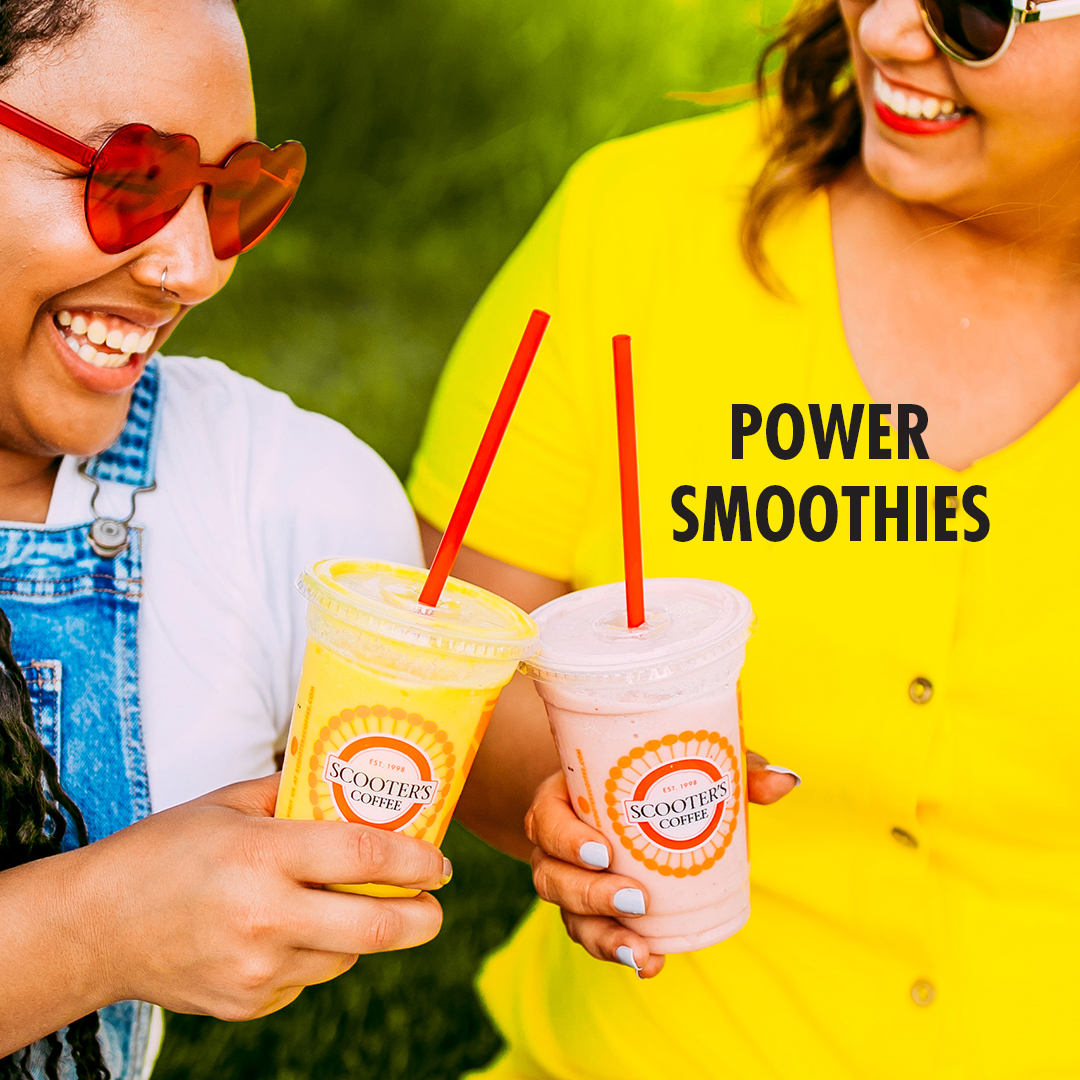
x: 836, y: 353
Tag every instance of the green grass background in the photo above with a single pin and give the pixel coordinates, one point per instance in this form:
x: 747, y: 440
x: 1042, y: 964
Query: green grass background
x: 436, y: 130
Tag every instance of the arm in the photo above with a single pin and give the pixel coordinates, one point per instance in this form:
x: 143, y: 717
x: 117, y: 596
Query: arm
x: 205, y: 908
x: 517, y: 752
x: 516, y: 798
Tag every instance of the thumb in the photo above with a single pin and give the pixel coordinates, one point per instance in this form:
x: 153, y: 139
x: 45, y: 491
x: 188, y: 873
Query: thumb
x: 767, y: 783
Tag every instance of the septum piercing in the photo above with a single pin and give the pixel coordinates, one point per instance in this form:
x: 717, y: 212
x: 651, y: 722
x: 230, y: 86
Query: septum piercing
x: 163, y: 275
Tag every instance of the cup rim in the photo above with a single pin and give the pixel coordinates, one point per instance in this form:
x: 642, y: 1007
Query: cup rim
x: 398, y: 616
x: 724, y: 637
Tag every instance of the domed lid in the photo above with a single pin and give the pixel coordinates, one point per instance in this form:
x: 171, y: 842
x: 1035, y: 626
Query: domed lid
x: 689, y: 622
x: 381, y: 598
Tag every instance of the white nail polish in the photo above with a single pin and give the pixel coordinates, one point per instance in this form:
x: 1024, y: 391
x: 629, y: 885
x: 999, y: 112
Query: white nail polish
x: 625, y: 955
x: 785, y: 772
x: 594, y: 854
x: 630, y: 901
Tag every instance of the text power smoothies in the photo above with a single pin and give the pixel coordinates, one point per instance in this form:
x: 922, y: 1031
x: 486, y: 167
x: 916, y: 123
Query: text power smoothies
x: 394, y: 698
x: 647, y: 725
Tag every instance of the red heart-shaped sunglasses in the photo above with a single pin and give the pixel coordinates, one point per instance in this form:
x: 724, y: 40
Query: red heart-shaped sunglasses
x: 138, y: 180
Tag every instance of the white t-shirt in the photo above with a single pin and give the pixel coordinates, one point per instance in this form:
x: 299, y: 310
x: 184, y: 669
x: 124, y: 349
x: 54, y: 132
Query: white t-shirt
x: 250, y: 490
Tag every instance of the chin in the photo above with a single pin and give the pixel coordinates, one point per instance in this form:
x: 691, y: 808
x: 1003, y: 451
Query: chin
x: 80, y: 428
x: 912, y: 178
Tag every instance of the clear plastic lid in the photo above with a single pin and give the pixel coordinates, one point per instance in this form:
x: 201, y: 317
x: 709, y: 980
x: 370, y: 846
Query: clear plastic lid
x: 381, y: 598
x: 689, y: 622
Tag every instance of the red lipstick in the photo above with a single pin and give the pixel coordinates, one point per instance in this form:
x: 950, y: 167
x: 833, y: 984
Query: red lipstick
x: 906, y: 125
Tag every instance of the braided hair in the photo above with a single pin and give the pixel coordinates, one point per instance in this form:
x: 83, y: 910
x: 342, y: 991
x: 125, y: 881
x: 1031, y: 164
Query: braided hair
x: 33, y: 805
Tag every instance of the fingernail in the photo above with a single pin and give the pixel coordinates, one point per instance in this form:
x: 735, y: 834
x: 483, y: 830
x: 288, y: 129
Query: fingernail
x: 785, y: 772
x: 625, y: 955
x: 630, y: 901
x: 447, y: 871
x: 594, y: 854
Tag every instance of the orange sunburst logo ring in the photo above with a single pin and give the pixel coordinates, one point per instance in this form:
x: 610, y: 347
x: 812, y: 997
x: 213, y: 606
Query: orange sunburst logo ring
x: 658, y: 765
x: 364, y: 727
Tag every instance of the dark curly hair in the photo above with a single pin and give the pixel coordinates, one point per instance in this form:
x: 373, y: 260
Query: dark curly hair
x: 33, y: 806
x: 26, y: 25
x: 33, y: 803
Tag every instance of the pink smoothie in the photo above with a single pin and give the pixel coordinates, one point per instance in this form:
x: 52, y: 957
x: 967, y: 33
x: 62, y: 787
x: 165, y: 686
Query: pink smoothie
x: 647, y: 725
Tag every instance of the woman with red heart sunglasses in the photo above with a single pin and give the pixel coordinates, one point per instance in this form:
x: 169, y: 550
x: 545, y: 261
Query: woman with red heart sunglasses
x: 897, y: 226
x: 154, y: 512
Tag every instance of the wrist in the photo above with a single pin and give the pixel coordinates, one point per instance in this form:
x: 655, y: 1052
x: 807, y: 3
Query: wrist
x: 95, y: 917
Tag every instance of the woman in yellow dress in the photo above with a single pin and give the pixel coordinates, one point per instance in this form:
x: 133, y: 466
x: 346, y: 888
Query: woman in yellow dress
x: 906, y: 232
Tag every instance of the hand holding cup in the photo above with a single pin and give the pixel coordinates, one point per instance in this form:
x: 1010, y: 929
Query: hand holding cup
x: 598, y: 908
x: 222, y: 909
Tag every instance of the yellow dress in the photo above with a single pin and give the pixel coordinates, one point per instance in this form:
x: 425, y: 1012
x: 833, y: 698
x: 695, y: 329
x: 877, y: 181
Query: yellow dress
x: 915, y: 903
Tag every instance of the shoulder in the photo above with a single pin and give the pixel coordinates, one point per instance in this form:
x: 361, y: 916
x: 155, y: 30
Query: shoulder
x: 205, y: 401
x: 689, y: 160
x: 227, y: 438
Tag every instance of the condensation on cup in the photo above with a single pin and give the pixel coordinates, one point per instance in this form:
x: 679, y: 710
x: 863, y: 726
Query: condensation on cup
x: 648, y: 729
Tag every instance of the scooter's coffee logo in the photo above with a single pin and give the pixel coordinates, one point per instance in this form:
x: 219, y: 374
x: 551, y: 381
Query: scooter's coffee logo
x: 381, y: 765
x: 674, y: 802
x: 380, y: 780
x: 679, y: 805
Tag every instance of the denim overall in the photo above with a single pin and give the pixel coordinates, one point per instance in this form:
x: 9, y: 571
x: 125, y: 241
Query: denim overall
x: 75, y: 616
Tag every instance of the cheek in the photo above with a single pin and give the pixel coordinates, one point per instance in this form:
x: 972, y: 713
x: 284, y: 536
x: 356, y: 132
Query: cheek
x: 1029, y: 105
x: 45, y: 248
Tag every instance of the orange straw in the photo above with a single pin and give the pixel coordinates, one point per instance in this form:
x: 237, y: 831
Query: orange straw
x: 633, y: 569
x: 454, y: 536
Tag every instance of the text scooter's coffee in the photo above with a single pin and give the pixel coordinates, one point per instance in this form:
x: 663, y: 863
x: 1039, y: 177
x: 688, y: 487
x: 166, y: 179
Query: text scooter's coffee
x: 394, y: 698
x: 648, y: 729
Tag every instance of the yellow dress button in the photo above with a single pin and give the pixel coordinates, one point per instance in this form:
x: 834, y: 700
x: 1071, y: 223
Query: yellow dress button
x: 923, y: 992
x: 902, y: 836
x: 921, y: 690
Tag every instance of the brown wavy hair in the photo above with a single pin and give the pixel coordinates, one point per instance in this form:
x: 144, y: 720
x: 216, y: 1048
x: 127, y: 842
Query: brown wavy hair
x: 813, y: 121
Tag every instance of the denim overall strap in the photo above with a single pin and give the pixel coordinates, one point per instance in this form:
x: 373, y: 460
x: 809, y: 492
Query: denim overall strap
x: 75, y: 619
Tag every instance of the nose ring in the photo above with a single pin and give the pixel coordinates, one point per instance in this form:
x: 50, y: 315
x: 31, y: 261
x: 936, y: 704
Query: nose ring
x: 163, y: 275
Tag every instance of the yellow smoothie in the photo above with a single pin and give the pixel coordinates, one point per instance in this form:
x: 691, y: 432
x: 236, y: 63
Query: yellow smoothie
x: 394, y: 698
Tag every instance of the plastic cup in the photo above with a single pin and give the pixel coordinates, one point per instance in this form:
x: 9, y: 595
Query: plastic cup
x: 394, y: 698
x: 648, y: 728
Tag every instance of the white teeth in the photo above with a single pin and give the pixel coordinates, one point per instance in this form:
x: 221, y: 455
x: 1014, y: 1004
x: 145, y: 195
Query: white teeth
x: 912, y: 105
x: 87, y: 353
x: 83, y: 336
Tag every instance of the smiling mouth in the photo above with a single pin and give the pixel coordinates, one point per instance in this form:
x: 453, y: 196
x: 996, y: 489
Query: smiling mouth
x: 101, y: 339
x: 908, y: 105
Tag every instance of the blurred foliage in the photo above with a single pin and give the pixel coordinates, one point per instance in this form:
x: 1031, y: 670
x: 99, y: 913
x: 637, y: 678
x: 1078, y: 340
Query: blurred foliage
x: 436, y: 130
